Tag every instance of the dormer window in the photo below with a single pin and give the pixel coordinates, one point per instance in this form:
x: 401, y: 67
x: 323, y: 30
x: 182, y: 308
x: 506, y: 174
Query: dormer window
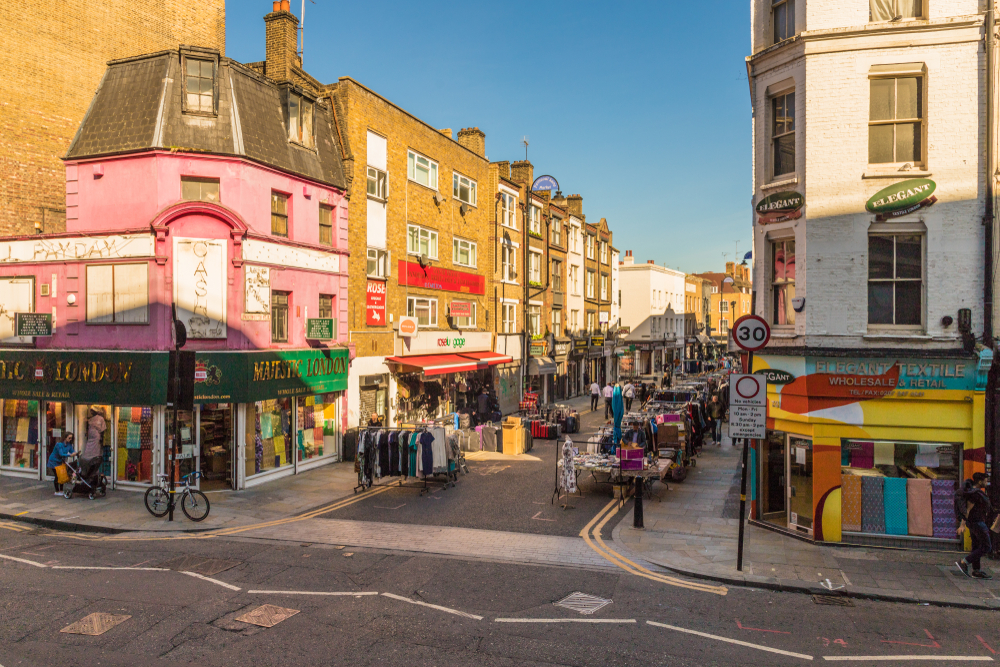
x: 199, y: 86
x: 300, y: 119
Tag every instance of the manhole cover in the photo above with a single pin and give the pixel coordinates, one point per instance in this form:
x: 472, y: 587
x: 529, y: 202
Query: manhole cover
x: 267, y: 616
x: 583, y: 603
x: 95, y: 624
x: 199, y: 565
x: 835, y: 600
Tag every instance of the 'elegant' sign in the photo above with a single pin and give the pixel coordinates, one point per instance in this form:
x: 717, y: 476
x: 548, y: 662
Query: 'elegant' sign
x: 902, y: 198
x: 779, y: 207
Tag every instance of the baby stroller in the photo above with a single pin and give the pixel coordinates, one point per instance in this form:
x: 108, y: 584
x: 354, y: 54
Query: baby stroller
x: 97, y: 485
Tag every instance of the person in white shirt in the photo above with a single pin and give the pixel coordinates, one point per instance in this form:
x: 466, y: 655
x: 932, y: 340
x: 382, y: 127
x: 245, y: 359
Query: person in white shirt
x: 595, y: 393
x: 628, y: 393
x: 608, y: 393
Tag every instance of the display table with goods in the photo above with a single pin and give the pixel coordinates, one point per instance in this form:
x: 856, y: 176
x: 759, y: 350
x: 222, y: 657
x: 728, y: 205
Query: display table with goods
x: 617, y: 471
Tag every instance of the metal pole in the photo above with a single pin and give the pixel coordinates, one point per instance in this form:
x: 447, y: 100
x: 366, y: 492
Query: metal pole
x: 747, y: 444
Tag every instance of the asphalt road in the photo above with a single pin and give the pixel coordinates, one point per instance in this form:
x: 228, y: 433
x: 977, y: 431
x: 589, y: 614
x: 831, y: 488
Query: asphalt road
x: 178, y: 619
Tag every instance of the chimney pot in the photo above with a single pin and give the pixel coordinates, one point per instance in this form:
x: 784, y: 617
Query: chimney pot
x: 285, y: 6
x: 276, y: 6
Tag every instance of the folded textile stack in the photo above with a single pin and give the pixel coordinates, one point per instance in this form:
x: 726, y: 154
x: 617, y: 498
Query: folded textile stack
x: 873, y: 505
x: 943, y: 508
x: 920, y: 514
x: 895, y: 506
x: 850, y: 498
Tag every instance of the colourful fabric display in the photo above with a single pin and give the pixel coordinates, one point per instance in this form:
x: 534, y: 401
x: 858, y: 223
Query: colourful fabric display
x: 845, y: 456
x: 33, y: 430
x: 885, y: 453
x: 895, y: 506
x: 22, y: 429
x: 9, y: 408
x: 258, y: 444
x: 137, y: 414
x: 132, y: 440
x: 266, y: 430
x: 32, y: 407
x: 850, y: 503
x: 10, y: 430
x: 872, y: 505
x: 330, y: 410
x: 308, y: 419
x: 279, y: 451
x: 147, y: 413
x: 146, y: 465
x: 864, y: 457
x: 22, y: 409
x: 919, y: 517
x: 122, y: 462
x: 943, y: 508
x: 310, y: 400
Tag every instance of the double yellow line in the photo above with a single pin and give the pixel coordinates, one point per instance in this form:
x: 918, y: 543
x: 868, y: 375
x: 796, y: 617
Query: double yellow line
x: 223, y: 532
x: 591, y: 534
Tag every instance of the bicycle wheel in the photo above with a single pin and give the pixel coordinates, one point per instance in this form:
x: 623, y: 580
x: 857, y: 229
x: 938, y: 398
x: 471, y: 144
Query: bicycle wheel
x: 157, y: 501
x: 195, y: 505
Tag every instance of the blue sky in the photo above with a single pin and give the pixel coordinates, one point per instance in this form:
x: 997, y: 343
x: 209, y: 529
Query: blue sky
x: 644, y: 109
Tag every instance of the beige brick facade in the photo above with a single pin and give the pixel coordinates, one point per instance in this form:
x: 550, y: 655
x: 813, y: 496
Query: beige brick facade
x: 53, y: 58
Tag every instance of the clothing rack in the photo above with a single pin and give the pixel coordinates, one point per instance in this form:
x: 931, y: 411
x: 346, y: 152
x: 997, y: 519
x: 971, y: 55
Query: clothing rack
x: 366, y: 482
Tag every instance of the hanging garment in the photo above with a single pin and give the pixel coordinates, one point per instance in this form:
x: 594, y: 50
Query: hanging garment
x: 384, y: 460
x: 412, y: 446
x: 863, y: 457
x: 426, y: 454
x: 872, y: 505
x: 394, y: 454
x: 884, y: 453
x: 894, y: 497
x: 850, y: 498
x: 919, y: 516
x: 404, y: 453
x: 568, y: 477
x: 943, y: 508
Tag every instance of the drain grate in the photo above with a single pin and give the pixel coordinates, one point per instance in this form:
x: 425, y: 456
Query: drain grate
x: 583, y: 603
x: 199, y: 564
x: 835, y: 600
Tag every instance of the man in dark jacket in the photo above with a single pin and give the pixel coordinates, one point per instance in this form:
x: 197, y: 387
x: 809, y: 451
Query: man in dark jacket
x: 973, y: 508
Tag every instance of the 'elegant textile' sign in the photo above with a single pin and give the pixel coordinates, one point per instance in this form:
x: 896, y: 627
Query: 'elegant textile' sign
x: 448, y: 280
x: 902, y: 198
x: 779, y: 207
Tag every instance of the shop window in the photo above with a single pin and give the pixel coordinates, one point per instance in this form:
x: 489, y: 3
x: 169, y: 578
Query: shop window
x: 95, y: 432
x: 782, y: 282
x: 300, y: 119
x: 509, y: 314
x: 118, y: 294
x: 463, y: 188
x: 894, y: 488
x: 279, y: 317
x: 279, y: 214
x: 895, y: 279
x: 20, y: 435
x: 783, y: 133
x: 56, y: 426
x: 465, y: 322
x: 421, y: 241
x: 134, y: 462
x: 895, y: 125
x: 425, y: 310
x: 421, y: 170
x: 268, y: 435
x: 326, y: 306
x: 464, y: 252
x: 378, y: 263
x: 318, y: 430
x: 200, y: 189
x: 325, y: 225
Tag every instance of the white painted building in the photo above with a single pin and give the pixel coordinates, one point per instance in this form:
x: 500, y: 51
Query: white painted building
x: 652, y: 307
x: 574, y: 311
x: 616, y: 290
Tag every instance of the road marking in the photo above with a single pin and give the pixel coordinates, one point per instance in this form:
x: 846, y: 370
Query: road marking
x: 433, y: 606
x: 312, y: 593
x: 95, y: 567
x: 929, y: 636
x: 733, y: 641
x: 214, y: 581
x: 988, y: 647
x: 618, y: 560
x: 22, y: 513
x: 777, y: 632
x: 564, y: 620
x: 536, y: 518
x: 23, y: 560
x: 15, y: 528
x: 381, y: 507
x: 886, y: 658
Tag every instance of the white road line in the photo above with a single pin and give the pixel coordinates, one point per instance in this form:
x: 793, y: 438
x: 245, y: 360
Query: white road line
x: 564, y: 620
x: 433, y: 606
x: 214, y: 581
x: 732, y: 641
x: 886, y: 658
x: 88, y: 567
x: 311, y: 593
x: 23, y: 560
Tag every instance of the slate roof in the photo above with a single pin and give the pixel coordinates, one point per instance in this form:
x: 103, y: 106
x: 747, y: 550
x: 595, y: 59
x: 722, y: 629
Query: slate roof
x: 137, y: 107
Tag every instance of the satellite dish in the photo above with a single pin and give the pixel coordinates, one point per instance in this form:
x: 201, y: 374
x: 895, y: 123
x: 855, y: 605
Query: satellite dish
x: 424, y: 261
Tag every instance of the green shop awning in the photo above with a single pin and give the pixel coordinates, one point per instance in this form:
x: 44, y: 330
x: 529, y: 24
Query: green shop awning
x: 245, y: 377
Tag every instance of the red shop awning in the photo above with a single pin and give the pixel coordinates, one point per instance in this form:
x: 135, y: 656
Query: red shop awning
x: 438, y: 364
x: 491, y: 358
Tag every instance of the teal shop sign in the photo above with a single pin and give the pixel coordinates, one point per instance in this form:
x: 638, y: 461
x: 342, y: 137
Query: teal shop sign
x: 902, y: 198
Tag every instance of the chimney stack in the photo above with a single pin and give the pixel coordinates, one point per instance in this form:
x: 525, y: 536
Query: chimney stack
x: 575, y: 205
x: 522, y: 172
x: 629, y: 260
x: 474, y: 139
x: 281, y: 36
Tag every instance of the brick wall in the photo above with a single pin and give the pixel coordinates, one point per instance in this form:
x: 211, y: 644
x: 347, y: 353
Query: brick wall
x: 53, y: 58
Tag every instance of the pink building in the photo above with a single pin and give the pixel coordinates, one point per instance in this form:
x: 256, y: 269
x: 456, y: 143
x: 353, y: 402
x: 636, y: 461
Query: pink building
x: 193, y: 183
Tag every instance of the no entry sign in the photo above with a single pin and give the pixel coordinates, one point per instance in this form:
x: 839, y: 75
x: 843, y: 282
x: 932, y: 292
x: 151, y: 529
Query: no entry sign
x: 751, y: 333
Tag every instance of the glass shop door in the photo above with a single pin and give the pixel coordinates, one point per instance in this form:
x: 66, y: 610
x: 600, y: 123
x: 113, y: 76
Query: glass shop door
x: 800, y: 483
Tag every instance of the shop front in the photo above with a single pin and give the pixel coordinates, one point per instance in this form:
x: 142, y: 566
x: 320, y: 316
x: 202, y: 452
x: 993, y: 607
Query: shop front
x: 576, y: 366
x: 439, y: 373
x: 563, y: 384
x: 869, y: 450
x: 596, y: 361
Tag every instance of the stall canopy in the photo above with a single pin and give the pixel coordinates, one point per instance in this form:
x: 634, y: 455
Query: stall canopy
x: 436, y: 364
x: 541, y: 366
x: 491, y: 358
x: 704, y: 340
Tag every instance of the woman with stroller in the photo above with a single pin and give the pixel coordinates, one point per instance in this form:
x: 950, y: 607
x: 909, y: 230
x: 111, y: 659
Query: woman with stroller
x: 62, y: 451
x: 91, y: 455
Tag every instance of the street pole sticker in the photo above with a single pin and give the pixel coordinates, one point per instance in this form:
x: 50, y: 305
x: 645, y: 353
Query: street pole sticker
x: 751, y: 333
x: 747, y: 406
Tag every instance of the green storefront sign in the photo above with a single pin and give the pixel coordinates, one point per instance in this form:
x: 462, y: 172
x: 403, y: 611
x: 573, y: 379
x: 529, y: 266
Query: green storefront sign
x: 33, y: 324
x: 245, y: 377
x: 120, y: 378
x: 902, y: 198
x: 319, y: 328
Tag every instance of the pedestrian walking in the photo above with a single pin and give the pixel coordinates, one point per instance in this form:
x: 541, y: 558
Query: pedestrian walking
x: 973, y: 508
x: 628, y: 393
x: 608, y: 393
x: 715, y: 413
x: 595, y: 395
x: 62, y: 451
x: 483, y: 406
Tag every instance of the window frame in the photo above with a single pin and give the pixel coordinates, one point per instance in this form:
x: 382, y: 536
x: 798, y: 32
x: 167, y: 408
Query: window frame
x: 201, y: 181
x: 783, y: 283
x: 604, y: 252
x: 276, y: 309
x: 470, y: 321
x: 604, y: 287
x: 921, y: 281
x: 777, y: 136
x: 555, y: 275
x: 200, y: 58
x: 723, y: 306
x: 381, y: 257
x: 508, y: 325
x: 508, y: 269
x: 534, y: 319
x: 555, y: 316
x: 534, y: 266
x: 920, y: 121
x: 590, y: 288
x: 433, y: 169
x: 922, y: 15
x: 590, y: 243
x: 786, y: 34
x: 574, y: 279
x: 320, y: 306
x: 432, y: 304
x: 456, y: 188
x: 535, y: 220
x: 329, y: 227
x: 420, y: 229
x: 380, y: 180
x: 555, y: 231
x: 114, y: 315
x: 303, y: 121
x: 456, y: 243
x: 508, y: 210
x: 286, y: 198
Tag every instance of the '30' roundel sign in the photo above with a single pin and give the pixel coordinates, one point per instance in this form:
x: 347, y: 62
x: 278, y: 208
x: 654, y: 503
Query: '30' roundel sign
x: 751, y: 332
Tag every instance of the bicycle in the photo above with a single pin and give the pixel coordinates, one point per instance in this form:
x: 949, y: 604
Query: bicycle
x: 193, y: 502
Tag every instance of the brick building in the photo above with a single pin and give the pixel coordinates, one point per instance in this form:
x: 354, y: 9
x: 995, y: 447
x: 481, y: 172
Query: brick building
x: 697, y: 320
x: 53, y: 59
x: 730, y: 298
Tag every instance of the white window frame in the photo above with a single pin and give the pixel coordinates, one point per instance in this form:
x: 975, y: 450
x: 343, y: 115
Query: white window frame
x: 920, y: 121
x: 302, y: 132
x: 535, y: 220
x: 604, y: 252
x: 377, y: 181
x: 574, y: 279
x: 591, y: 287
x: 508, y: 210
x: 431, y: 234
x: 555, y: 231
x: 921, y: 281
x: 381, y: 259
x: 457, y: 244
x: 508, y: 263
x: 591, y: 320
x: 590, y: 242
x: 534, y: 267
x: 574, y: 320
x: 466, y: 322
x: 556, y: 319
x: 457, y: 180
x: 534, y: 319
x: 723, y: 305
x: 508, y: 314
x: 604, y: 287
x: 777, y: 135
x: 432, y: 305
x: 413, y: 160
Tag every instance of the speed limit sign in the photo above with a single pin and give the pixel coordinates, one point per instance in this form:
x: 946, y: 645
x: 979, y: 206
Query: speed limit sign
x: 751, y: 332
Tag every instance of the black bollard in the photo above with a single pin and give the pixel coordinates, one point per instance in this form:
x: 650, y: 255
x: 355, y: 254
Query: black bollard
x: 637, y: 513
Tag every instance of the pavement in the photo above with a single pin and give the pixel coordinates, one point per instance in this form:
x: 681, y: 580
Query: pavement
x: 503, y: 512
